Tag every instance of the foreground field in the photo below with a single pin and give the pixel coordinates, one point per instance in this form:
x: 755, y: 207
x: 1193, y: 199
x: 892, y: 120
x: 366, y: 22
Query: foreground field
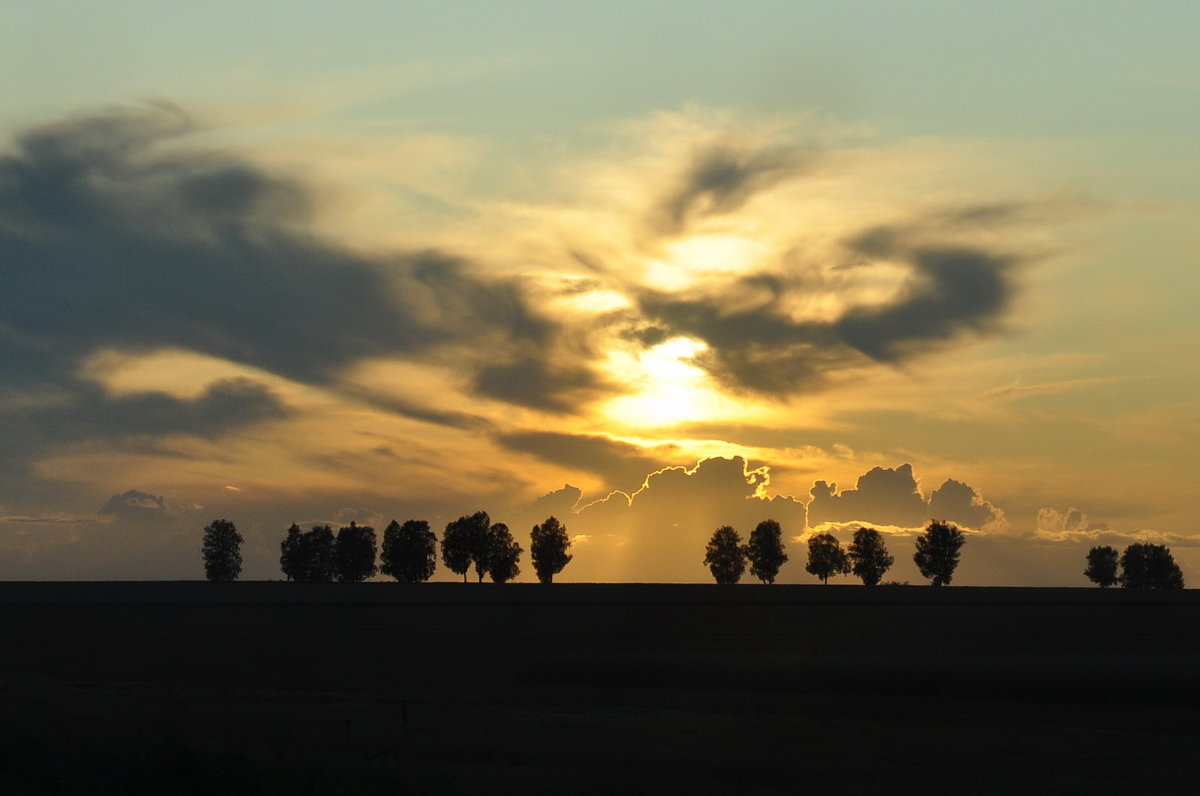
x: 326, y: 688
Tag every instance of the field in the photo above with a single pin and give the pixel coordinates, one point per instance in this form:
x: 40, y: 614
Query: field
x: 328, y: 688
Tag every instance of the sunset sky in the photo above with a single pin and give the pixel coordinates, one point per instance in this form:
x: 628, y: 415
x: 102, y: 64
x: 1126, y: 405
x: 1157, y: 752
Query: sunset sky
x: 649, y: 267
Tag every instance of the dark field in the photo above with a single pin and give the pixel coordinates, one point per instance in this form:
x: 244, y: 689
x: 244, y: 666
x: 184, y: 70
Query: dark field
x: 273, y: 687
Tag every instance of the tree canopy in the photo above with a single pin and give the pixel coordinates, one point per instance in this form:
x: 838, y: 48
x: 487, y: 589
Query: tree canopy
x: 1102, y: 566
x: 222, y: 551
x: 548, y: 548
x: 409, y: 552
x: 869, y: 557
x: 1150, y: 566
x: 354, y: 553
x: 725, y: 556
x: 826, y: 557
x: 502, y: 554
x: 765, y: 551
x: 307, y: 557
x: 938, y: 550
x: 464, y: 543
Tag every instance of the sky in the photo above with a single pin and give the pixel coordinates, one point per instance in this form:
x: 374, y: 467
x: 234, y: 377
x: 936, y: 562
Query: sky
x: 650, y: 268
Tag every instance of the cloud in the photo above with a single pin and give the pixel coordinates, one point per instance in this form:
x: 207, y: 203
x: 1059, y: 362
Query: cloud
x: 956, y: 502
x: 136, y: 241
x: 658, y: 533
x: 883, y: 495
x: 755, y: 342
x: 890, y: 497
x: 539, y: 383
x: 720, y: 179
x: 136, y: 506
x: 559, y: 503
x: 117, y: 235
x: 622, y: 465
x: 360, y: 516
x: 1054, y: 524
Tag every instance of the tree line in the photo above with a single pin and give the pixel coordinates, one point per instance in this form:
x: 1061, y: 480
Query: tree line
x: 867, y: 556
x: 409, y: 554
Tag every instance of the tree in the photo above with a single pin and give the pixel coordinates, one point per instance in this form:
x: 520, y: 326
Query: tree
x: 826, y: 557
x: 869, y: 558
x: 937, y: 551
x: 308, y: 557
x: 502, y: 554
x: 409, y: 551
x: 725, y: 556
x: 354, y: 553
x: 289, y: 553
x: 1102, y: 566
x: 548, y: 547
x: 1150, y: 566
x: 222, y: 550
x: 464, y: 542
x: 765, y: 551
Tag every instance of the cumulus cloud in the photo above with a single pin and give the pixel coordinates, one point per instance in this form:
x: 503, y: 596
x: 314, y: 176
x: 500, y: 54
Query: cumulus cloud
x: 134, y: 505
x: 658, y: 533
x: 886, y: 496
x: 956, y: 502
x: 883, y: 495
x: 1054, y: 524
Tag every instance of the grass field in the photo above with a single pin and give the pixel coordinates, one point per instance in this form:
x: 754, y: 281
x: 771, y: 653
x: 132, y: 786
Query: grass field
x: 332, y: 688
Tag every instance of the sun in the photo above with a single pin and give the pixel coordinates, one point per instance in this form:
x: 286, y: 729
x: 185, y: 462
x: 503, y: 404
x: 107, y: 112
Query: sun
x: 667, y: 389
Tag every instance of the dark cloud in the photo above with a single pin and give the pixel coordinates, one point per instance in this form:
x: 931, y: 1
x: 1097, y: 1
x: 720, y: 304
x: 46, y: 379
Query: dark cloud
x: 890, y: 497
x: 755, y: 344
x: 112, y: 238
x: 109, y: 241
x: 115, y: 235
x: 77, y: 412
x: 136, y: 506
x: 721, y: 179
x: 958, y: 503
x: 559, y: 503
x: 539, y: 383
x: 623, y: 466
x: 883, y: 495
x: 955, y: 290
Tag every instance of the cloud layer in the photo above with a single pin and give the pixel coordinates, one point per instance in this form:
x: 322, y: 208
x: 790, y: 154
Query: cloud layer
x: 116, y: 235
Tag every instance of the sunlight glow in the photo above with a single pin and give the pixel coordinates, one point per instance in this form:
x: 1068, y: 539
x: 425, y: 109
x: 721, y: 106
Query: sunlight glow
x: 686, y: 261
x: 669, y: 389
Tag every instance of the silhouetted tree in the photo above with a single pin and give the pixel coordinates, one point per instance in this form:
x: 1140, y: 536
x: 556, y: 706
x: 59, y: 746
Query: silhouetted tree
x: 548, y: 547
x: 409, y: 551
x: 765, y: 551
x: 464, y: 542
x: 289, y: 553
x: 502, y: 553
x: 937, y: 551
x: 1102, y: 566
x: 869, y: 557
x: 307, y: 557
x: 222, y: 550
x: 1150, y: 566
x: 725, y: 556
x: 354, y: 553
x: 826, y: 557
